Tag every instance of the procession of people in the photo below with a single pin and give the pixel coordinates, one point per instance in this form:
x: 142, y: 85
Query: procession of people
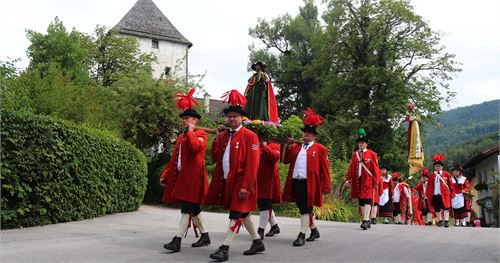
x: 246, y: 176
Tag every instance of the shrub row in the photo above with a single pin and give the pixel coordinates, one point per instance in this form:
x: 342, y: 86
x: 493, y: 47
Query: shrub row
x: 54, y: 171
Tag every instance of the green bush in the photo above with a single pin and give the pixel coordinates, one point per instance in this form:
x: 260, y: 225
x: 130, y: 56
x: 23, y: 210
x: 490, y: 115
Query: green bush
x: 53, y: 171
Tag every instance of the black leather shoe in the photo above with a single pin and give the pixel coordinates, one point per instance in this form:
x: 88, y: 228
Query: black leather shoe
x: 446, y: 224
x: 300, y: 240
x: 373, y: 221
x: 256, y: 247
x: 314, y: 235
x: 203, y: 241
x: 364, y: 225
x: 368, y: 223
x: 273, y: 231
x: 440, y: 223
x: 174, y: 245
x: 260, y: 231
x: 221, y: 254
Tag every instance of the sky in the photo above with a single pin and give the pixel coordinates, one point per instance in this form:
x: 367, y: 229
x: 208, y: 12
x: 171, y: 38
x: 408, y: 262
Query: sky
x: 218, y: 30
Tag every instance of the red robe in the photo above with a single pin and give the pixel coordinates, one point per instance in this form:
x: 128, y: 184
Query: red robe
x: 422, y: 204
x: 318, y: 173
x: 447, y: 191
x: 387, y: 185
x: 367, y: 181
x: 403, y: 198
x: 462, y: 187
x: 244, y: 163
x: 190, y: 183
x: 268, y: 177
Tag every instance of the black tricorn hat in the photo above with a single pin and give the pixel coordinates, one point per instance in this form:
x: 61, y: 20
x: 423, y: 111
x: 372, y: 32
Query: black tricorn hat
x: 262, y: 65
x: 235, y: 108
x: 382, y: 165
x: 457, y: 166
x: 191, y: 113
x: 311, y: 129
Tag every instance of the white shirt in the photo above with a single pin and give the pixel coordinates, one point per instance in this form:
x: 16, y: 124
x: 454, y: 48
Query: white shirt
x: 360, y: 163
x: 179, y: 158
x: 397, y: 194
x: 225, y: 158
x: 437, y: 183
x: 300, y: 169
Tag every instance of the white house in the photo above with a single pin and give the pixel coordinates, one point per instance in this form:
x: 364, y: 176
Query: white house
x: 156, y: 34
x: 483, y: 168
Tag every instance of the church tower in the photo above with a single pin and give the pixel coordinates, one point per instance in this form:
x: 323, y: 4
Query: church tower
x: 156, y: 34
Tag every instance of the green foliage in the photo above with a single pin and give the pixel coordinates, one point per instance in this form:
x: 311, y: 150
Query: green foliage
x: 462, y: 153
x: 69, y: 51
x: 480, y: 120
x: 363, y: 62
x: 115, y: 57
x: 53, y: 171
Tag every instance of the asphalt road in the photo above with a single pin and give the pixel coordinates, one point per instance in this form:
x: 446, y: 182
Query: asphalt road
x: 139, y: 237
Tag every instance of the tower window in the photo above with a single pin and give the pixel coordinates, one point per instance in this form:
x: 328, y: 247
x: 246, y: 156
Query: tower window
x: 155, y: 43
x: 167, y: 71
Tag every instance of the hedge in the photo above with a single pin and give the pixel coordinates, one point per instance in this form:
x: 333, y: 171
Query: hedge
x: 53, y: 171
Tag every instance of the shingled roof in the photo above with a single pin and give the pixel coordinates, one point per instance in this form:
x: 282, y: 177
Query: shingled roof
x: 145, y: 19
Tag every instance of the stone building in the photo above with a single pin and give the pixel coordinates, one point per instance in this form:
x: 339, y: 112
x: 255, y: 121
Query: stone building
x: 156, y: 34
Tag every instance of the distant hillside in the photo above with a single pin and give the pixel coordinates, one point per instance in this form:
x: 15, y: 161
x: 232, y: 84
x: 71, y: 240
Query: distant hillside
x: 461, y: 125
x: 464, y: 152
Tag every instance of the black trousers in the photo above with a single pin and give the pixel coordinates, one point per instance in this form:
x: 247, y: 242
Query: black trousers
x: 190, y: 208
x: 437, y: 203
x: 264, y: 204
x: 397, y: 209
x: 363, y: 201
x: 299, y: 188
x: 237, y: 215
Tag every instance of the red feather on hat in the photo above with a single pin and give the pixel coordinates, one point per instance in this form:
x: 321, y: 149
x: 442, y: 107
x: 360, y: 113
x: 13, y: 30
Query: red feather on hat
x: 185, y: 102
x: 395, y: 174
x: 233, y: 97
x: 438, y: 158
x: 311, y: 118
x: 425, y: 171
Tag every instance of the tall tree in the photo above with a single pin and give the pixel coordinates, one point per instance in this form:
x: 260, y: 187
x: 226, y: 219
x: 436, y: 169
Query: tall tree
x: 369, y: 60
x: 117, y: 56
x: 288, y: 51
x: 69, y: 51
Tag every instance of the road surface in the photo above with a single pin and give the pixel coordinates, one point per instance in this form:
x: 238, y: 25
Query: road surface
x: 139, y: 237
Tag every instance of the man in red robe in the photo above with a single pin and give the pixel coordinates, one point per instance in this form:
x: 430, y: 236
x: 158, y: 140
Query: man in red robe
x: 439, y: 191
x: 185, y: 178
x: 236, y: 153
x: 461, y: 187
x: 363, y: 177
x: 308, y: 176
x: 268, y: 181
x: 422, y: 197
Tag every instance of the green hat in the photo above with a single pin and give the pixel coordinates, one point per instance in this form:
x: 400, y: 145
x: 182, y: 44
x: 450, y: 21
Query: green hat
x: 362, y: 137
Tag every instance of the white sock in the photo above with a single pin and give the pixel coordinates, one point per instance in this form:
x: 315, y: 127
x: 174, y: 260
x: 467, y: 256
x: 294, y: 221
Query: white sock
x: 183, y: 225
x: 428, y: 217
x: 374, y: 211
x: 198, y: 220
x: 446, y: 215
x: 399, y: 219
x: 462, y: 221
x: 366, y: 212
x: 272, y: 219
x: 230, y: 233
x: 457, y: 222
x: 304, y: 223
x: 386, y: 219
x: 250, y: 228
x: 438, y: 215
x: 263, y: 219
